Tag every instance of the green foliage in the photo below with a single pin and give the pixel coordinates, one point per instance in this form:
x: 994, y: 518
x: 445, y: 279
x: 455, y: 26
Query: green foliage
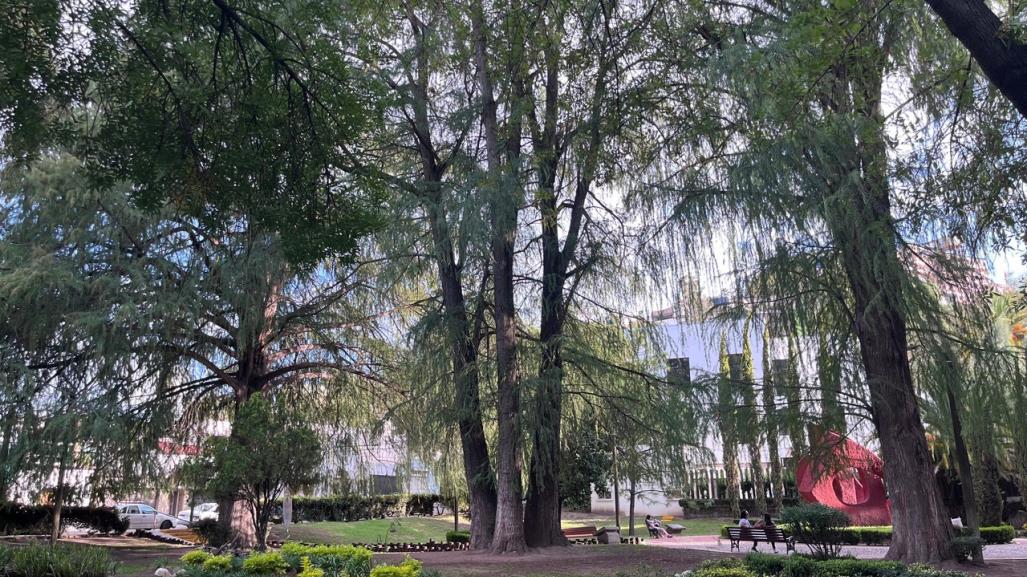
x: 818, y: 526
x: 219, y: 563
x: 271, y: 563
x: 212, y: 533
x: 60, y: 560
x: 802, y: 566
x: 333, y: 559
x: 998, y: 535
x: 195, y: 557
x: 965, y: 548
x: 307, y: 569
x: 408, y: 568
x: 458, y: 536
x: 353, y: 507
x: 271, y: 447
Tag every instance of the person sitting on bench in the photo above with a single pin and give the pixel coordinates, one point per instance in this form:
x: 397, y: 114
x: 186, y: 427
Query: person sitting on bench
x: 655, y: 529
x: 766, y: 523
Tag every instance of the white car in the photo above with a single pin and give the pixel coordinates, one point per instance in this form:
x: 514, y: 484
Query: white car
x: 143, y: 516
x: 201, y: 512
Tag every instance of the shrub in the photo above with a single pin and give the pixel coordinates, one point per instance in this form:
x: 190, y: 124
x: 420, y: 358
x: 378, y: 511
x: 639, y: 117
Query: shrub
x: 333, y: 559
x: 60, y: 561
x: 422, y: 503
x: 724, y: 572
x: 347, y: 507
x: 218, y: 563
x: 408, y: 568
x: 458, y: 536
x: 196, y: 557
x: 964, y: 548
x: 998, y: 535
x: 308, y: 570
x: 762, y: 564
x: 817, y: 526
x: 270, y: 563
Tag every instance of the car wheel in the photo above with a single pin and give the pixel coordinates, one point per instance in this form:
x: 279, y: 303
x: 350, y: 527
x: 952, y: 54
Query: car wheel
x: 165, y: 525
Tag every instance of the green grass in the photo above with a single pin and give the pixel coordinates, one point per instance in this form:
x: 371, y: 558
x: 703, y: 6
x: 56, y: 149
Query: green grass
x: 398, y: 530
x: 692, y: 526
x: 423, y: 529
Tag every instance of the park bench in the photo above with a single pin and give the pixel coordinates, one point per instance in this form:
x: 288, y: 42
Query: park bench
x: 755, y: 535
x: 579, y: 533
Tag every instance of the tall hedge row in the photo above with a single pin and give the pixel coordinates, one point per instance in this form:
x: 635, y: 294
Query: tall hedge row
x: 358, y: 508
x: 18, y: 519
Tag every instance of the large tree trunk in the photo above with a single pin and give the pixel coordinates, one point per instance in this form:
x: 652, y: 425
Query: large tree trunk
x: 994, y: 46
x: 504, y: 202
x: 631, y: 507
x: 616, y: 489
x: 58, y: 498
x: 463, y: 343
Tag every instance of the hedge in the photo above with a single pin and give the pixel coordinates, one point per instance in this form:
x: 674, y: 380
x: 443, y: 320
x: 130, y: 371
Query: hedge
x: 359, y: 508
x: 760, y: 565
x: 882, y: 534
x: 21, y: 519
x: 458, y: 536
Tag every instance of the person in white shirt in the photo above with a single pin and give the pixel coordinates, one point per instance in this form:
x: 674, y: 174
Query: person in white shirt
x: 743, y: 520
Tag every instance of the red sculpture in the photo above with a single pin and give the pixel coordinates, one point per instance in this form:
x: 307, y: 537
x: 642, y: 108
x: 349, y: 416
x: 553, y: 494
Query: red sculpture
x: 848, y: 477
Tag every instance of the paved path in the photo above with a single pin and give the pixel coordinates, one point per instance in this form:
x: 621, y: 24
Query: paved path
x: 1015, y: 550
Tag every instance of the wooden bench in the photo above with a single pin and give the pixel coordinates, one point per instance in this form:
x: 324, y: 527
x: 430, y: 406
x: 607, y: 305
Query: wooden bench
x: 772, y: 535
x: 579, y: 533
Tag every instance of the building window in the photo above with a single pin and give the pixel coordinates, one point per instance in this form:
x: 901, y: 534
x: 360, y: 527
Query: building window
x: 384, y: 485
x: 679, y: 372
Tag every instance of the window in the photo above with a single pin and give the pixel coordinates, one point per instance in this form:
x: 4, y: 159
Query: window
x: 147, y: 510
x: 679, y: 372
x: 384, y: 484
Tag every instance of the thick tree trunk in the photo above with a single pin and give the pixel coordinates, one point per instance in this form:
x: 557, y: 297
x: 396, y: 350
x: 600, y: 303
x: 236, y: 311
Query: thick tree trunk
x: 542, y: 511
x: 860, y: 220
x: 504, y: 202
x: 474, y: 447
x: 986, y: 487
x: 992, y: 44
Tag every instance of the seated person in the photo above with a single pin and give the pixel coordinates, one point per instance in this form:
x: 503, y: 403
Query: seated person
x: 743, y: 520
x: 766, y: 523
x: 655, y: 529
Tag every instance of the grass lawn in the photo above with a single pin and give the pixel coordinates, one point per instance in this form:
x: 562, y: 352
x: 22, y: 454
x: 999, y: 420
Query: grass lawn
x: 423, y: 529
x: 692, y: 526
x: 396, y: 530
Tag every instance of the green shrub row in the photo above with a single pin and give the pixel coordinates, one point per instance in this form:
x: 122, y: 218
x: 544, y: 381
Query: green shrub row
x: 358, y: 508
x: 458, y: 536
x: 18, y: 519
x: 62, y: 560
x: 307, y: 560
x: 759, y: 564
x: 880, y: 535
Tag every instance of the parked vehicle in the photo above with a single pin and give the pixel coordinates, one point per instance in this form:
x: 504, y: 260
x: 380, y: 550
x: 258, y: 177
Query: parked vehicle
x: 143, y: 516
x: 200, y: 512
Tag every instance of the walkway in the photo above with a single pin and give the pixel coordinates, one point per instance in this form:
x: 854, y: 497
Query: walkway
x: 1015, y: 550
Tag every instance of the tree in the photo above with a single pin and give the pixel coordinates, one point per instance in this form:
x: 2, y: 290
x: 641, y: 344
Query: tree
x: 772, y: 424
x: 998, y: 46
x: 271, y: 448
x: 728, y: 424
x: 753, y: 424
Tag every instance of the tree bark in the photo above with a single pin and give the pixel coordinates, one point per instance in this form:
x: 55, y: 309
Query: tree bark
x: 58, y: 499
x: 991, y: 43
x: 463, y: 345
x: 616, y: 489
x: 504, y: 203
